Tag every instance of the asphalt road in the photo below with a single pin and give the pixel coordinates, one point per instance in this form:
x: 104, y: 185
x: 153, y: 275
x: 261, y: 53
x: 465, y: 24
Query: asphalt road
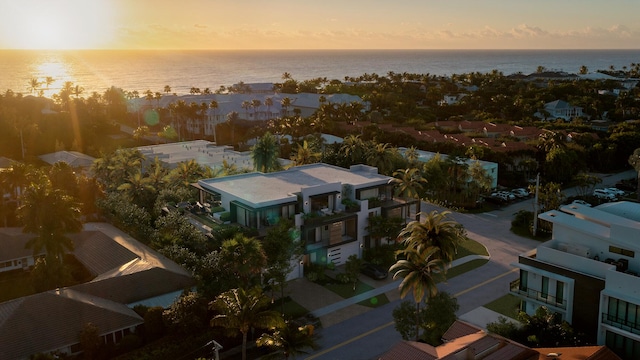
x: 369, y: 335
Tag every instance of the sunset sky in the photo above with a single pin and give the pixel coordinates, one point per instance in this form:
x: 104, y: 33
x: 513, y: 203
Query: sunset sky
x: 327, y: 24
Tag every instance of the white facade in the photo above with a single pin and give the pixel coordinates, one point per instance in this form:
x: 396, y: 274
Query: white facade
x: 313, y: 196
x: 589, y: 273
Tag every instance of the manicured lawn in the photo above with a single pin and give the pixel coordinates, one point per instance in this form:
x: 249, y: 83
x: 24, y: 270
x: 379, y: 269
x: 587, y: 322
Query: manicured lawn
x: 346, y: 291
x: 471, y: 247
x: 463, y: 268
x: 292, y: 309
x: 507, y: 305
x: 14, y: 285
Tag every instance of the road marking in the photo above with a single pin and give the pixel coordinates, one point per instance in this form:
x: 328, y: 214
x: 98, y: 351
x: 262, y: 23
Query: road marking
x: 356, y: 338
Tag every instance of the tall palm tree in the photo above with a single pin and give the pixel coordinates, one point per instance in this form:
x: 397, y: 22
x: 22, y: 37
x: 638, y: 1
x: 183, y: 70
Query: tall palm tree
x: 434, y: 230
x: 268, y: 102
x: 239, y: 310
x: 51, y: 215
x: 305, y: 154
x: 167, y: 89
x: 232, y: 119
x: 138, y: 190
x: 380, y: 155
x: 285, y: 103
x: 34, y: 85
x: 420, y: 271
x: 246, y: 105
x: 255, y: 104
x: 265, y: 153
x: 409, y: 182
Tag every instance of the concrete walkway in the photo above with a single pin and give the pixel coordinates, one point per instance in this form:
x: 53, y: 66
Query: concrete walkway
x: 331, y: 308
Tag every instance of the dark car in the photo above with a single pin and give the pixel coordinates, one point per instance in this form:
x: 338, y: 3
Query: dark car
x: 374, y: 271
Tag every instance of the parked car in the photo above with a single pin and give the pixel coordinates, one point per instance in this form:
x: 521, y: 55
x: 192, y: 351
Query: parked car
x: 374, y: 271
x: 616, y: 192
x: 604, y: 195
x: 521, y: 192
x: 581, y: 202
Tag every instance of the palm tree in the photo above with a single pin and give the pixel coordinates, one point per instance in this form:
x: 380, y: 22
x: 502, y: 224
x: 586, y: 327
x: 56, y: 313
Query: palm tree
x: 409, y: 182
x: 34, y: 85
x: 232, y: 119
x: 285, y: 103
x: 435, y: 230
x: 246, y: 105
x: 268, y: 102
x: 239, y: 310
x: 138, y: 190
x: 167, y: 89
x: 255, y: 104
x: 51, y: 215
x: 265, y: 153
x: 288, y: 340
x: 420, y: 271
x: 244, y: 258
x: 380, y: 156
x: 305, y: 154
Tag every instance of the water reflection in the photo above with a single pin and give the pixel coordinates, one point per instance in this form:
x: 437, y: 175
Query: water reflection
x: 52, y: 71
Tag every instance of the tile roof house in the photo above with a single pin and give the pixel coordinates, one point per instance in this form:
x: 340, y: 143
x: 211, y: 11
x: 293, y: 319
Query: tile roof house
x: 559, y: 109
x: 466, y: 341
x: 463, y: 342
x: 126, y: 273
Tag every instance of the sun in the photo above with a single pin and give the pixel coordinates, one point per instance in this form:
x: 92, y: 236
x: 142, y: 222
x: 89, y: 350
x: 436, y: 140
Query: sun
x: 65, y: 24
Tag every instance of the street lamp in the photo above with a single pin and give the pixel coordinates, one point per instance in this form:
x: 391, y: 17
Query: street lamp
x: 216, y: 348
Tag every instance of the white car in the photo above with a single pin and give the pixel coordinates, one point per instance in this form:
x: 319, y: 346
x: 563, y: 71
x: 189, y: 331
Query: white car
x: 520, y: 192
x: 604, y: 195
x: 616, y: 192
x: 581, y: 202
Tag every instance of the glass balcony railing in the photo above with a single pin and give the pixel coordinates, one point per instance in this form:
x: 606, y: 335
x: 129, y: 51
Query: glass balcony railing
x: 539, y: 296
x: 621, y: 323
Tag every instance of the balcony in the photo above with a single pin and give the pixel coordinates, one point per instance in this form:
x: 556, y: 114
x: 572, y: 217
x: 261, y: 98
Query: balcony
x: 624, y: 324
x: 535, y: 295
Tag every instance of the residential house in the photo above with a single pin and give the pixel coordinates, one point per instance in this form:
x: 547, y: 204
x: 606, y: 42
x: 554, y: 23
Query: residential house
x: 588, y: 273
x: 466, y: 341
x: 559, y: 109
x: 489, y: 167
x: 205, y: 153
x: 462, y: 341
x: 125, y: 273
x: 74, y: 159
x: 329, y: 205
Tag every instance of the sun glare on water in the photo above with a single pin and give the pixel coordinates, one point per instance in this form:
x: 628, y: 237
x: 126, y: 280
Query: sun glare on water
x: 65, y: 24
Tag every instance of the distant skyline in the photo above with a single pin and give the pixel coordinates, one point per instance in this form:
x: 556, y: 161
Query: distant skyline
x: 328, y: 24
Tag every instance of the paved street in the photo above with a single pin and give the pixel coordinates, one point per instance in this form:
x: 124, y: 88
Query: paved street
x: 356, y: 332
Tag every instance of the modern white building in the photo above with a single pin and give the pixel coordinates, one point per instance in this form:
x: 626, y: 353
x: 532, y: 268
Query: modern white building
x: 489, y: 167
x: 329, y: 205
x: 588, y: 272
x: 205, y: 153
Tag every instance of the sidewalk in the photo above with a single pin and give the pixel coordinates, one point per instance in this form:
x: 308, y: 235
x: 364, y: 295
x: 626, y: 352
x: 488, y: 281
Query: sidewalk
x: 332, y: 309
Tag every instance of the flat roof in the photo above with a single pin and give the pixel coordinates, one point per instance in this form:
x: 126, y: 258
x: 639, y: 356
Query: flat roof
x: 260, y: 189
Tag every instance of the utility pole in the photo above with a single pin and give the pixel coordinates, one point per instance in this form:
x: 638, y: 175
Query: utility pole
x: 535, y: 206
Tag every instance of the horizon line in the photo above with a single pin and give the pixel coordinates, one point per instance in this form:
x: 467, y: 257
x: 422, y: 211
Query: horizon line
x: 324, y: 49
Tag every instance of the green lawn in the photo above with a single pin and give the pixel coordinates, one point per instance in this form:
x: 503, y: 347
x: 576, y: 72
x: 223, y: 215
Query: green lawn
x: 346, y: 291
x: 507, y: 305
x: 292, y: 309
x: 471, y: 247
x: 463, y: 268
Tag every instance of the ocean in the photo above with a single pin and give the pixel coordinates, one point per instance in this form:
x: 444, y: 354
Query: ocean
x: 141, y: 70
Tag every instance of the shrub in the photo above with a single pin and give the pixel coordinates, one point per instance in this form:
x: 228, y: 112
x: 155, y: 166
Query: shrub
x: 225, y: 216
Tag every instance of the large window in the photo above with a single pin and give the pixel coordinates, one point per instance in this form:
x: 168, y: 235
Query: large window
x: 559, y: 292
x: 623, y: 315
x: 524, y: 275
x: 544, y: 292
x: 621, y: 251
x: 624, y: 347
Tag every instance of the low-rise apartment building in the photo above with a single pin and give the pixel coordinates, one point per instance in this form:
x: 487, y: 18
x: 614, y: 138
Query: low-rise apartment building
x: 329, y: 205
x: 588, y: 272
